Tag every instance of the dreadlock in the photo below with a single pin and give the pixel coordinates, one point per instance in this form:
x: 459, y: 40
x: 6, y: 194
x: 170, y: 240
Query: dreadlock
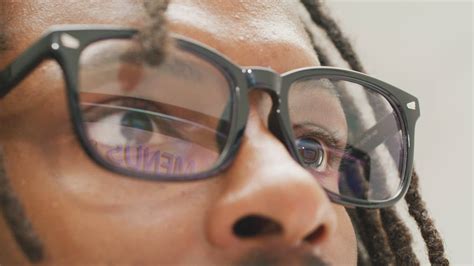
x: 417, y: 210
x: 321, y: 18
x: 3, y: 42
x: 384, y: 236
x: 16, y: 218
x: 153, y: 35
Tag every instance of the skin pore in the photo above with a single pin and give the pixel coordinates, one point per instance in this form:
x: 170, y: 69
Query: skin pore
x: 83, y: 213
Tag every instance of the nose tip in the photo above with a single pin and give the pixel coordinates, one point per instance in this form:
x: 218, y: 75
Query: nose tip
x: 268, y: 197
x: 282, y: 212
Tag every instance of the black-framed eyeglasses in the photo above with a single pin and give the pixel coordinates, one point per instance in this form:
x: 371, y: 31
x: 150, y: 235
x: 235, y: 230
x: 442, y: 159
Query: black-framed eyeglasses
x: 183, y: 119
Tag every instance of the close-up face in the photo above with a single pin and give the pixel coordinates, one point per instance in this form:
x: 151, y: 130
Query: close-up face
x: 209, y: 136
x: 84, y: 213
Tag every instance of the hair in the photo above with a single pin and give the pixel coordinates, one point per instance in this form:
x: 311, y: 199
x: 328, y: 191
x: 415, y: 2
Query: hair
x: 3, y: 42
x: 153, y: 34
x: 16, y: 219
x: 383, y: 237
x: 3, y: 39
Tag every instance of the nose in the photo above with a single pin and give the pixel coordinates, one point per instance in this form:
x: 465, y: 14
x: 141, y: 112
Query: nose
x: 268, y: 197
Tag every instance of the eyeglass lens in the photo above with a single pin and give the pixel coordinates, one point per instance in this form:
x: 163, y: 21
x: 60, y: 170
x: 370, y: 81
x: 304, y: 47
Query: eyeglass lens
x: 174, y: 119
x: 349, y: 137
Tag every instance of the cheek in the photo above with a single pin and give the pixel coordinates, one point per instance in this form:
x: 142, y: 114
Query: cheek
x: 342, y: 248
x: 42, y: 87
x: 71, y: 200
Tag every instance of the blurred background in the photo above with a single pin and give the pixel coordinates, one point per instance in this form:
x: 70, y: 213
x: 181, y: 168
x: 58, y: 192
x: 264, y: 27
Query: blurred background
x: 425, y: 48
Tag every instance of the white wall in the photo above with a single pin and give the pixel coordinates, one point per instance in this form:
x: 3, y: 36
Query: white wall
x: 425, y: 48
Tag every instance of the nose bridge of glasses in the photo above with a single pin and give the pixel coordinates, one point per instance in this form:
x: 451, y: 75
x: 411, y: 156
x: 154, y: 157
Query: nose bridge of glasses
x: 269, y: 81
x: 263, y: 79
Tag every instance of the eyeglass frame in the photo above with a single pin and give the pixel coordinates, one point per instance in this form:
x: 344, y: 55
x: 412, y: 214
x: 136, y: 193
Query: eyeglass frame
x: 65, y: 44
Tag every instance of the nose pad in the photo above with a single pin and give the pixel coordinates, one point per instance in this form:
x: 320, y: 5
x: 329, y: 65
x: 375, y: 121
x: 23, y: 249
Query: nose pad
x: 268, y: 106
x: 275, y: 125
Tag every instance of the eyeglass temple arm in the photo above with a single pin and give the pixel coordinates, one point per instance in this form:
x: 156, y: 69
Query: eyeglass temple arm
x: 23, y: 64
x: 376, y: 135
x: 369, y: 140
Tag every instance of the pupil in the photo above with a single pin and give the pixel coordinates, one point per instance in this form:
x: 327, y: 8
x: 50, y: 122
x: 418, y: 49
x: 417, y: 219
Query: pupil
x: 136, y: 127
x: 311, y: 151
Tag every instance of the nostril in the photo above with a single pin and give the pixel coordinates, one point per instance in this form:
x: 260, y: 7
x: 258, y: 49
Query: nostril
x: 316, y: 235
x: 256, y: 225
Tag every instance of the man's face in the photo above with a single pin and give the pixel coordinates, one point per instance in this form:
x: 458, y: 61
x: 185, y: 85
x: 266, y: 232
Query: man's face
x: 84, y: 213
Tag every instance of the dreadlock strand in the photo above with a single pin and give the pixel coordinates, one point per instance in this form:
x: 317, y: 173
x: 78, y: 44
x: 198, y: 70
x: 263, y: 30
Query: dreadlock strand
x: 152, y: 35
x: 16, y: 219
x: 417, y: 209
x: 323, y: 59
x: 362, y: 254
x: 368, y: 222
x: 320, y: 17
x: 374, y: 238
x: 399, y: 237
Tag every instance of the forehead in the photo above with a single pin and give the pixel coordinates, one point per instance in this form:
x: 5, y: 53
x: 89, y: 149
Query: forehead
x: 238, y: 28
x: 260, y: 33
x: 265, y: 33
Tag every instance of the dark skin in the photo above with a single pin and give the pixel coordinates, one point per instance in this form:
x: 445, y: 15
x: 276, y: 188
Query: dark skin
x: 84, y: 213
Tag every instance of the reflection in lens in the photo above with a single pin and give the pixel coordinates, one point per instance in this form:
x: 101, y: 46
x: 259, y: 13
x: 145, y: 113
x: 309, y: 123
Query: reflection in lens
x: 361, y: 137
x: 135, y: 120
x: 311, y: 151
x: 172, y: 119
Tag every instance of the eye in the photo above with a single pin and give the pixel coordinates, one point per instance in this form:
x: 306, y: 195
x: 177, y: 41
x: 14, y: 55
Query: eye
x: 123, y: 128
x: 312, y: 152
x: 136, y: 127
